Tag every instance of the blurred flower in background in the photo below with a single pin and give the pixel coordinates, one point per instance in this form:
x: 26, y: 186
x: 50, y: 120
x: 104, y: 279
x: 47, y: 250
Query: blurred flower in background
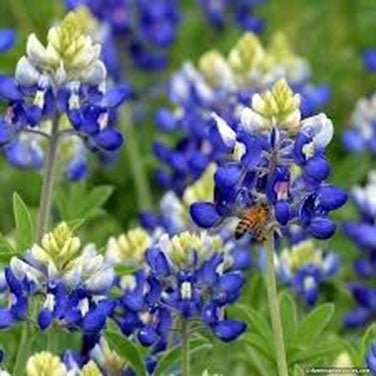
x: 7, y: 39
x: 363, y: 233
x: 361, y: 135
x: 221, y: 13
x: 305, y: 267
x: 139, y: 30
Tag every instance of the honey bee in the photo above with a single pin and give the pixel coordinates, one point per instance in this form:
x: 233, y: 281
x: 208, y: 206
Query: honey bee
x: 254, y: 221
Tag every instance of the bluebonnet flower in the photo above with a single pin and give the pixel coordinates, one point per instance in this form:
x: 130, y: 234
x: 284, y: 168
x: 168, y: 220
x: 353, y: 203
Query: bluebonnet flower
x: 371, y: 358
x: 60, y: 91
x: 361, y: 135
x: 217, y: 13
x: 73, y: 281
x: 142, y: 28
x: 363, y: 233
x: 280, y: 163
x: 191, y: 280
x: 305, y: 268
x: 14, y: 293
x: 223, y: 86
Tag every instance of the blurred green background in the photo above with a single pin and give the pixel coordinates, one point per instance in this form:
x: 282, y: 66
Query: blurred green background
x: 330, y: 34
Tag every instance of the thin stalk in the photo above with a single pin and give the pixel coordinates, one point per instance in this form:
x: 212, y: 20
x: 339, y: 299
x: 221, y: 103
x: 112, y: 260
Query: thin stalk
x: 18, y: 368
x: 48, y: 181
x: 143, y: 193
x: 21, y: 16
x: 185, y: 347
x: 274, y: 308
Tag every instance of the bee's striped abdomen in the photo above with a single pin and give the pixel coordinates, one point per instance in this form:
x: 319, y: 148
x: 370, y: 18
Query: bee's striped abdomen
x: 243, y: 227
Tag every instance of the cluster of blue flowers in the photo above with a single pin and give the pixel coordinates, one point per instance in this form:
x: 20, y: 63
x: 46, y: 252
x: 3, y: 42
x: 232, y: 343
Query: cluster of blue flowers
x: 223, y: 86
x: 59, y: 91
x: 186, y: 277
x: 141, y: 28
x: 277, y: 160
x: 218, y: 12
x: 363, y: 234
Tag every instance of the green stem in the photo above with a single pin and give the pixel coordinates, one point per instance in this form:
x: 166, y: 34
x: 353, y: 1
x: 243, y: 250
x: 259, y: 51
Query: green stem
x: 274, y: 308
x: 21, y: 16
x: 143, y: 193
x: 185, y: 347
x: 18, y: 368
x: 48, y: 181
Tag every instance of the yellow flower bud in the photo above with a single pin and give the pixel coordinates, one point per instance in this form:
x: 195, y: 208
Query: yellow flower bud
x: 57, y: 248
x: 180, y: 248
x: 91, y: 369
x: 215, y: 69
x: 128, y: 248
x: 45, y: 364
x: 280, y: 106
x: 71, y: 54
x: 247, y: 55
x: 302, y: 254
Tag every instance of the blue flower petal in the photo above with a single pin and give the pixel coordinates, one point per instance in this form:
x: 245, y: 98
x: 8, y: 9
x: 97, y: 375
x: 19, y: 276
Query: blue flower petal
x: 229, y: 330
x: 6, y: 318
x: 282, y: 212
x: 45, y: 318
x: 204, y: 214
x: 109, y: 139
x: 332, y: 198
x: 147, y: 336
x: 317, y: 169
x: 322, y: 228
x: 7, y: 39
x: 9, y: 89
x: 157, y: 261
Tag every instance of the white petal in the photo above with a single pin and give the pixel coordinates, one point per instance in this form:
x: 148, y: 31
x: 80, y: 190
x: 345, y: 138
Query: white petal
x: 26, y: 74
x: 35, y: 50
x: 321, y: 129
x: 95, y: 74
x: 227, y: 134
x: 251, y: 121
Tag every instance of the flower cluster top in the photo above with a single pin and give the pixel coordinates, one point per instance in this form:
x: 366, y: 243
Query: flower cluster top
x: 276, y: 161
x: 59, y: 90
x: 223, y: 85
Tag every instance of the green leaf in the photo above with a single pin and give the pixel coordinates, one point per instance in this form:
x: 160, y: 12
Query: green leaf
x: 314, y: 323
x: 128, y: 350
x: 288, y: 316
x: 24, y: 224
x: 367, y: 339
x: 96, y: 199
x: 173, y: 356
x: 75, y: 224
x: 329, y: 347
x: 256, y: 342
x: 257, y: 323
